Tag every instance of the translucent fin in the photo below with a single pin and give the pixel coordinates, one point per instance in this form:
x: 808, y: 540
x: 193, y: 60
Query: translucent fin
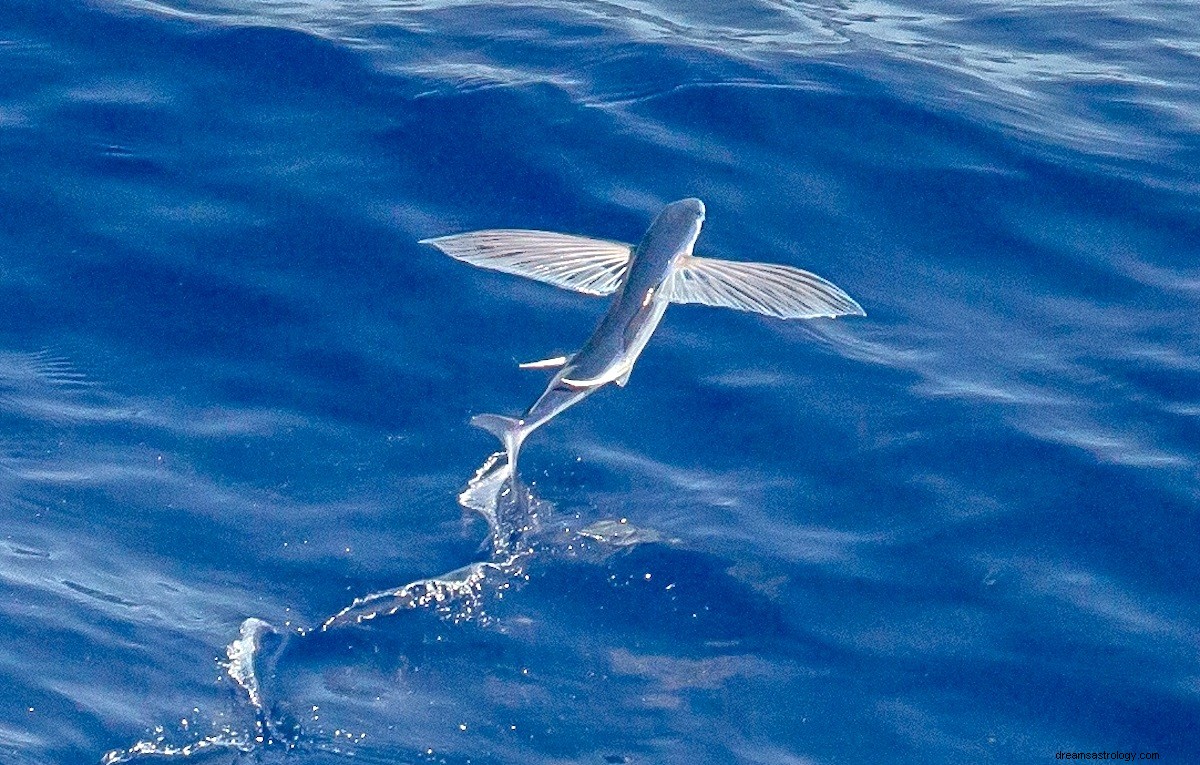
x: 623, y: 379
x: 591, y: 266
x: 767, y: 288
x: 553, y: 363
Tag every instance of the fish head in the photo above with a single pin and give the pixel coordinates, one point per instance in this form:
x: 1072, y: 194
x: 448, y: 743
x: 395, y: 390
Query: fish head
x: 683, y: 220
x: 692, y: 212
x: 686, y: 213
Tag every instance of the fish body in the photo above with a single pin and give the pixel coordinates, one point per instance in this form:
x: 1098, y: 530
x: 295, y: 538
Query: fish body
x: 609, y: 354
x: 643, y: 280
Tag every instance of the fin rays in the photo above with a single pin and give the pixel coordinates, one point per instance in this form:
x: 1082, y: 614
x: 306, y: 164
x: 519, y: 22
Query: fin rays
x: 767, y: 288
x: 590, y: 266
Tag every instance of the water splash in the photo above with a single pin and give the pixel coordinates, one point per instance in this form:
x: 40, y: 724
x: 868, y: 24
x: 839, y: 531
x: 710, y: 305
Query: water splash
x: 242, y: 654
x: 249, y: 660
x: 456, y: 596
x: 159, y: 748
x: 510, y: 510
x: 512, y: 513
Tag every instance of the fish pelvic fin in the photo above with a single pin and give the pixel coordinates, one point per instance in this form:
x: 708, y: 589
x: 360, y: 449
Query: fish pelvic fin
x: 618, y: 373
x: 554, y: 363
x: 510, y: 430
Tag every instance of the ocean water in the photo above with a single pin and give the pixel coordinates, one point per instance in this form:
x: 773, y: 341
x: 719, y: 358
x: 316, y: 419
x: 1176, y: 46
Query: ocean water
x: 234, y: 389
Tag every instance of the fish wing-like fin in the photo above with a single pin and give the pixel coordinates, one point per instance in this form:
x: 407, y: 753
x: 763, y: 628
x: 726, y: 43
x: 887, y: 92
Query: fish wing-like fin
x: 590, y: 266
x: 767, y: 288
x: 554, y: 363
x: 623, y: 379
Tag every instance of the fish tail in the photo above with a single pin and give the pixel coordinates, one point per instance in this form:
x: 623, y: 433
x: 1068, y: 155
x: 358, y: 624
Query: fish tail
x: 510, y: 430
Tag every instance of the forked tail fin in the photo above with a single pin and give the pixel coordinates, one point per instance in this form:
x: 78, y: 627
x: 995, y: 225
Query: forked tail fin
x: 510, y: 430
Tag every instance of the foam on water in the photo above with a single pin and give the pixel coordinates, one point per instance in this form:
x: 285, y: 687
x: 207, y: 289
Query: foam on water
x: 457, y: 597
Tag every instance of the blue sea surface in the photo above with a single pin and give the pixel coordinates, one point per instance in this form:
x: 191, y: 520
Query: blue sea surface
x: 235, y: 391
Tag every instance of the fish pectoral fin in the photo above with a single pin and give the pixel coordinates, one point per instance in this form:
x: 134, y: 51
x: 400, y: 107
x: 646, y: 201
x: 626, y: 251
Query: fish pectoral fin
x: 767, y: 288
x: 623, y: 379
x: 590, y: 266
x: 554, y: 363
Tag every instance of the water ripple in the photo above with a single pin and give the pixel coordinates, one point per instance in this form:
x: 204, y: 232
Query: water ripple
x: 1004, y: 60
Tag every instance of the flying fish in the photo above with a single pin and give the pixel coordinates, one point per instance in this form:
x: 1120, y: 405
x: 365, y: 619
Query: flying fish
x: 643, y: 281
